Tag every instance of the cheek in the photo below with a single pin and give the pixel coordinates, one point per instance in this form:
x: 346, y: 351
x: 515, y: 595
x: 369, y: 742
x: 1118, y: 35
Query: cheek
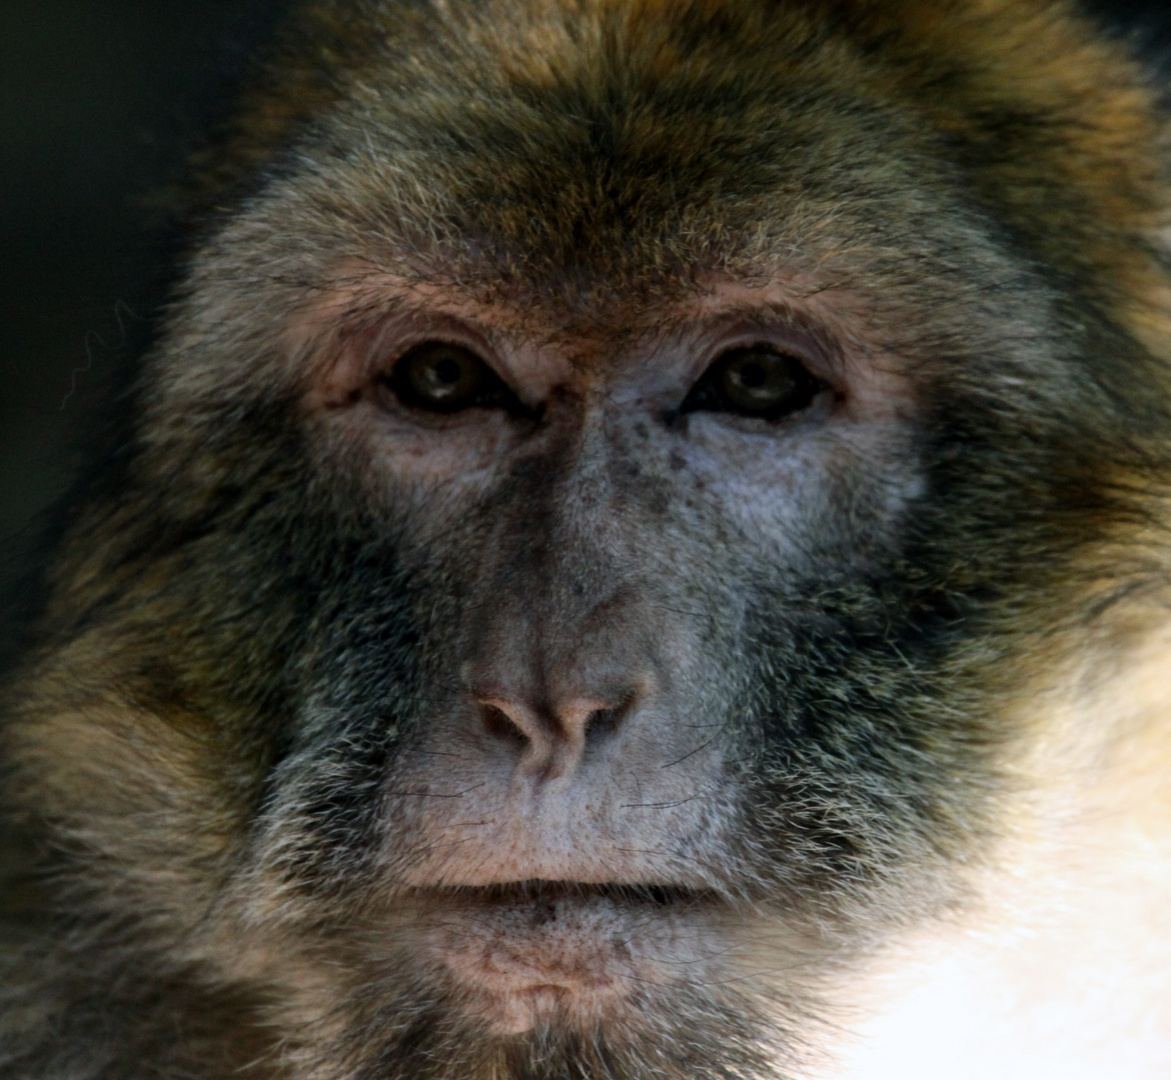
x: 413, y: 488
x: 823, y: 489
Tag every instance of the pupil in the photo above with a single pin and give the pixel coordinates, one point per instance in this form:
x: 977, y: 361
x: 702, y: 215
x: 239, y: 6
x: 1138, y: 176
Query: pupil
x: 447, y: 371
x: 753, y: 376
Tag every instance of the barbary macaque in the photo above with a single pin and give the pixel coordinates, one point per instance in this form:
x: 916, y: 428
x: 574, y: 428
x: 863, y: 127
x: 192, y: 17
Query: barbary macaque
x: 638, y: 552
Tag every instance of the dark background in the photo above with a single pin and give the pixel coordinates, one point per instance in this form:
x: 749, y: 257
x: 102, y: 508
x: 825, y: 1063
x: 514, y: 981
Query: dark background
x: 100, y: 100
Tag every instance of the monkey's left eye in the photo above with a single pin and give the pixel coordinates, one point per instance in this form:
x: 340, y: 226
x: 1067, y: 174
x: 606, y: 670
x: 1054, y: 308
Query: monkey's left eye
x: 758, y: 380
x: 446, y: 378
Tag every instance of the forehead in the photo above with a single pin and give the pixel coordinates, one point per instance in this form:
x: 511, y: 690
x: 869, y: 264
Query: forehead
x: 620, y: 142
x: 605, y: 158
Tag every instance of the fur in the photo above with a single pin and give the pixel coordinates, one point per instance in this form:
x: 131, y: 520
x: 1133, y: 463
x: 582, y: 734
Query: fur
x: 247, y: 657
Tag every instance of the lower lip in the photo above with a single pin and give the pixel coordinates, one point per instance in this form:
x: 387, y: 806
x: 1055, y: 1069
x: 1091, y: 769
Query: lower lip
x: 526, y: 954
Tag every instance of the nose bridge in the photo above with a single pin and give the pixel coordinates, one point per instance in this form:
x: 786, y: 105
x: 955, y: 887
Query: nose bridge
x: 559, y: 576
x: 573, y: 631
x: 558, y: 657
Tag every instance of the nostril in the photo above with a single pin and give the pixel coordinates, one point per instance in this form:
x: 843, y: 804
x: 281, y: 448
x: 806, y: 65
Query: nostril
x: 499, y: 725
x: 601, y: 723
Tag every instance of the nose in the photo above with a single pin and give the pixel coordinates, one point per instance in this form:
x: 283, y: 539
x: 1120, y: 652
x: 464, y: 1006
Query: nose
x: 550, y: 739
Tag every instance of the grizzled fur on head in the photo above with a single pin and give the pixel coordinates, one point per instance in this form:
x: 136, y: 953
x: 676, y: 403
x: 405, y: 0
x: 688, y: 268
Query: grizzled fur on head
x: 221, y: 743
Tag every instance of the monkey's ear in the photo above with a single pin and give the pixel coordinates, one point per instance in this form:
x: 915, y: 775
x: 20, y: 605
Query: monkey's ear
x: 759, y: 381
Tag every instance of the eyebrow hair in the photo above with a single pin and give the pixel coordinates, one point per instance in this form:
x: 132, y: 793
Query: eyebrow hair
x: 380, y: 300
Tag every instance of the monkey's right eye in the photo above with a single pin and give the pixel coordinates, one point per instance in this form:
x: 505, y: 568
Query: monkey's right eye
x: 445, y: 378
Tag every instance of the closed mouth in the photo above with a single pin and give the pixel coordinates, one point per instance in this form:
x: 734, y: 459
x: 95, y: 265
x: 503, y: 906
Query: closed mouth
x: 524, y: 952
x: 538, y: 892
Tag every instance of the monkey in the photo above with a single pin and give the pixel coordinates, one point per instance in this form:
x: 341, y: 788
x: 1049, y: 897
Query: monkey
x: 638, y: 549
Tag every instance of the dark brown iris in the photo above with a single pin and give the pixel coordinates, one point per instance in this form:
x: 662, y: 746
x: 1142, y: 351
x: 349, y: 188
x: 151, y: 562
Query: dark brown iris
x: 444, y: 378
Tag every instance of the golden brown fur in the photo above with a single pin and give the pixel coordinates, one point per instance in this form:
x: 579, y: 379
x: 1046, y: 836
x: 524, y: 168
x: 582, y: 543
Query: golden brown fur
x: 265, y: 820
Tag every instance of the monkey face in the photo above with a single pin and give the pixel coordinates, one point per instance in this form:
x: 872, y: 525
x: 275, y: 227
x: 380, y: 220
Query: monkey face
x: 598, y: 544
x: 615, y: 636
x: 585, y: 522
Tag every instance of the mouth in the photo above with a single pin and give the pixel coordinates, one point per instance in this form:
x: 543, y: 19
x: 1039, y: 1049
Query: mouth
x: 524, y: 953
x: 540, y: 892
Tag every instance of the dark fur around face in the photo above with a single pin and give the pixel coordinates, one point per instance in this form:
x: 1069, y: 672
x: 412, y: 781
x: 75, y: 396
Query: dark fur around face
x: 243, y: 725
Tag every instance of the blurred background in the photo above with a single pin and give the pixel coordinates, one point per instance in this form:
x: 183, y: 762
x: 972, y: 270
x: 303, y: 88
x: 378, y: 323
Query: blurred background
x: 100, y: 100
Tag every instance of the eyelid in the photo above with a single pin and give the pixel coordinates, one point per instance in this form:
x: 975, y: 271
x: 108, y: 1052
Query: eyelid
x: 384, y: 362
x: 817, y: 359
